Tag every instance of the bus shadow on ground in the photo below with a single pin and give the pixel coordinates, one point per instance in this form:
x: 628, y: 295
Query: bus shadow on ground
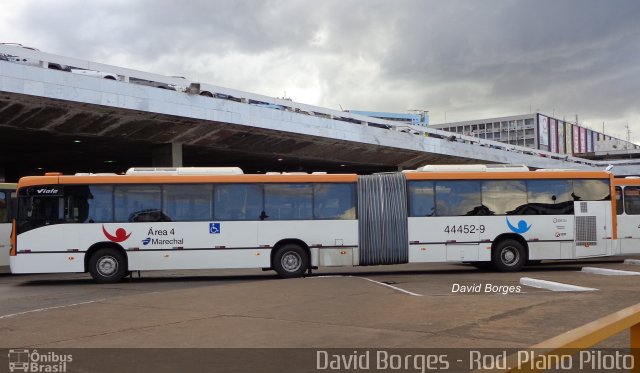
x: 467, y: 268
x: 158, y: 277
x: 200, y: 279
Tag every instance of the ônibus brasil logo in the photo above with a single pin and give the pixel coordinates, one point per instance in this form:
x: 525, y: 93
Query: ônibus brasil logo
x: 120, y: 236
x: 521, y: 228
x: 26, y: 360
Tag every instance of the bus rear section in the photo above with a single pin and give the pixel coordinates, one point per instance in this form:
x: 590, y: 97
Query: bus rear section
x: 504, y: 218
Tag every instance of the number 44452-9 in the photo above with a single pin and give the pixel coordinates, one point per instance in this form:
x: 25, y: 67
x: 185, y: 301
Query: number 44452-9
x: 466, y: 228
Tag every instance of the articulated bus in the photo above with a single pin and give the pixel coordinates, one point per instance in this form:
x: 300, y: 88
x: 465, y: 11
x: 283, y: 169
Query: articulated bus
x: 7, y: 195
x: 190, y: 218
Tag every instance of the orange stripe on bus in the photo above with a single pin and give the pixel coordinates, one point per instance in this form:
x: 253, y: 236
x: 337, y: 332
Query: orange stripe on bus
x: 176, y: 179
x: 624, y: 182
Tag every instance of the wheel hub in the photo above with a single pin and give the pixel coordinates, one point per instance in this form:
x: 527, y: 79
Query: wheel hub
x: 107, y: 266
x: 291, y: 261
x: 509, y: 256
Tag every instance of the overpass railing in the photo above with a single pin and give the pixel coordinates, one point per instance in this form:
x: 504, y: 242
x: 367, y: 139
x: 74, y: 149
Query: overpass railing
x: 542, y: 355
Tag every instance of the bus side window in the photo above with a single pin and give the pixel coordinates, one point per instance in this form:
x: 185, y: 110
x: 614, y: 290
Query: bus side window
x: 548, y: 197
x: 4, y: 208
x: 288, y: 201
x: 88, y: 204
x: 591, y: 190
x: 76, y: 205
x: 504, y: 196
x: 334, y: 201
x: 187, y: 202
x: 138, y: 203
x: 421, y: 198
x: 619, y: 203
x: 238, y: 202
x: 632, y: 200
x: 459, y: 198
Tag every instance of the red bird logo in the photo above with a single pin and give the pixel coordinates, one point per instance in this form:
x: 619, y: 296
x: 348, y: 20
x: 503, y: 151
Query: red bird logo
x: 121, y: 235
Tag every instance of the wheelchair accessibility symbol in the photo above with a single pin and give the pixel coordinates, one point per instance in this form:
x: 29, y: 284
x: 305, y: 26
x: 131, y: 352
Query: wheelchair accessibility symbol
x: 214, y: 228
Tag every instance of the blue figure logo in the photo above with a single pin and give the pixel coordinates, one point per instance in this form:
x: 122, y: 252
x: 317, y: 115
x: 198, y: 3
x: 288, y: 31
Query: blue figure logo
x: 521, y: 228
x: 146, y: 241
x: 214, y: 228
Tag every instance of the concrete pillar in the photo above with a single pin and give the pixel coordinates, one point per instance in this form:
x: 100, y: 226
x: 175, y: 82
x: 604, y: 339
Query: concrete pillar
x: 167, y: 155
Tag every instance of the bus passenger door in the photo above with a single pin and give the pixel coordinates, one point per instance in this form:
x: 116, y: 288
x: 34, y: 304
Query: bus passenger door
x: 593, y: 228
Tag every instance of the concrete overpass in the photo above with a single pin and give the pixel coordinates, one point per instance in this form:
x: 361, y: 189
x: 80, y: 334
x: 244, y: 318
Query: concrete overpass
x: 79, y: 122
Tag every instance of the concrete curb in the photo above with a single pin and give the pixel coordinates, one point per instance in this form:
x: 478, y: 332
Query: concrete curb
x: 609, y: 272
x: 553, y: 286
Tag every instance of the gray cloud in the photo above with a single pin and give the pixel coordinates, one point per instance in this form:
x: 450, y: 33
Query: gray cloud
x: 467, y: 58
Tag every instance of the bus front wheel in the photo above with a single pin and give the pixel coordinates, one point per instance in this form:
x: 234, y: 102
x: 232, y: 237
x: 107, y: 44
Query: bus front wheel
x: 107, y: 266
x: 291, y: 261
x: 508, y: 256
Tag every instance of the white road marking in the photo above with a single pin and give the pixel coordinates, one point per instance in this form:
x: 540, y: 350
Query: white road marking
x: 48, y: 308
x: 553, y: 286
x: 632, y: 261
x: 376, y: 282
x: 609, y: 272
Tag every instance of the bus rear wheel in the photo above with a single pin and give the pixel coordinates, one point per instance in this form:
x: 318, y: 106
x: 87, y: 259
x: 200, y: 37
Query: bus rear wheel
x: 107, y: 266
x: 508, y: 256
x: 291, y: 261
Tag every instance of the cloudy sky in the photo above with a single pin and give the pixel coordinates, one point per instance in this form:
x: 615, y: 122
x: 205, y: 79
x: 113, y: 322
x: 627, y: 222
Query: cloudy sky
x: 459, y: 59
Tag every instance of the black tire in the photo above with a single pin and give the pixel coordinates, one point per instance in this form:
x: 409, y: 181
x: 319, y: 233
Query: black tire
x: 206, y: 94
x: 291, y: 261
x: 107, y: 266
x: 508, y: 256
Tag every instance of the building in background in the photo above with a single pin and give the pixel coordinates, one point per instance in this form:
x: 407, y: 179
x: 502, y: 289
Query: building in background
x: 539, y: 131
x: 418, y: 118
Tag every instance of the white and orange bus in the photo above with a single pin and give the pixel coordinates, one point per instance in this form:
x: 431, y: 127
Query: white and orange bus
x: 7, y: 195
x: 160, y: 219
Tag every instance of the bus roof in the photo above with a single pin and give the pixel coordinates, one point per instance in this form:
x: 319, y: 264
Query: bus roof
x: 505, y: 175
x: 289, y: 178
x: 627, y: 181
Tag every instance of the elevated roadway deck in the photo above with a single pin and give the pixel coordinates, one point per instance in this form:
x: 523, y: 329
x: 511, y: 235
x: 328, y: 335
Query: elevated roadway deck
x: 51, y: 119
